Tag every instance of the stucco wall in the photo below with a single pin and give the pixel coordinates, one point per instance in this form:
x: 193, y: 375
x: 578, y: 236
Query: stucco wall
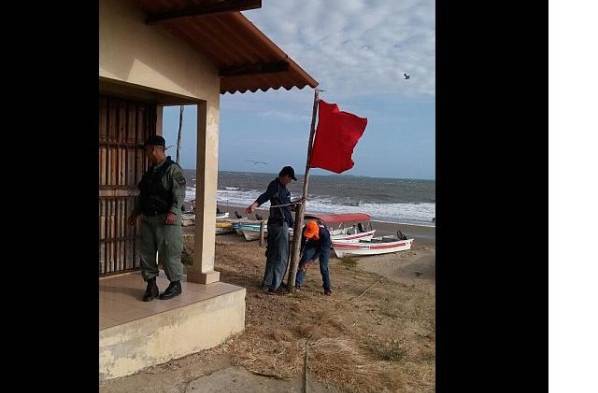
x: 130, y: 347
x: 133, y: 52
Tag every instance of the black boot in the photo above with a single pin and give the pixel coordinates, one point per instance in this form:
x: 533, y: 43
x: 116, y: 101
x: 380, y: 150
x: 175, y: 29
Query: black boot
x: 152, y: 291
x: 174, y: 289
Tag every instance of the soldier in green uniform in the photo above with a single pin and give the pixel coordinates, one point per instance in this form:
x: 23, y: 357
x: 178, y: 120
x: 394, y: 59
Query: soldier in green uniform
x: 162, y: 192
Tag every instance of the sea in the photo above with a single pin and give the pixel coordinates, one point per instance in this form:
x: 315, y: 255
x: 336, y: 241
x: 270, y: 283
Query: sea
x: 404, y: 201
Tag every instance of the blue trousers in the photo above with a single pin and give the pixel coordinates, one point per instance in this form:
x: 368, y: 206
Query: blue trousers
x: 277, y: 257
x: 312, y: 253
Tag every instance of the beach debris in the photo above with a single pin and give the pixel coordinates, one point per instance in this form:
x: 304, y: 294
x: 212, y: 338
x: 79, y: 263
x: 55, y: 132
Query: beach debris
x: 417, y: 274
x: 305, y: 367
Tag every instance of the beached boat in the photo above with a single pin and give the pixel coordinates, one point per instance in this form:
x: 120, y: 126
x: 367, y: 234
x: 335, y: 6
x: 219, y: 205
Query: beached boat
x: 248, y: 225
x: 253, y: 232
x: 223, y: 228
x: 188, y: 219
x: 221, y: 216
x: 349, y: 227
x: 375, y: 246
x: 250, y: 229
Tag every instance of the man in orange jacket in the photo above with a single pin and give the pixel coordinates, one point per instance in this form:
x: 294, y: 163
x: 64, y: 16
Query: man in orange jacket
x: 315, y: 244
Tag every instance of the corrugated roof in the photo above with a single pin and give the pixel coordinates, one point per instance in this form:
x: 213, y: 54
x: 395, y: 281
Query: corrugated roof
x: 246, y: 58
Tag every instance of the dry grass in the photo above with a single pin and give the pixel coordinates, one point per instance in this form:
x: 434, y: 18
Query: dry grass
x: 349, y: 263
x: 382, y: 341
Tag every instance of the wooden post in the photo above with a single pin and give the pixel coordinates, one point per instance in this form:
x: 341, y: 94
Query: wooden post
x: 262, y: 233
x: 178, y: 139
x: 300, y: 209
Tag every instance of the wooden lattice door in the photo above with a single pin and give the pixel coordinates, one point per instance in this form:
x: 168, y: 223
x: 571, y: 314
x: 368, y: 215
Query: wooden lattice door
x: 124, y: 125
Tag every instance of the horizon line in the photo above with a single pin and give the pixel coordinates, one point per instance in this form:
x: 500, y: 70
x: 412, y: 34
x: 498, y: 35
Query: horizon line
x: 325, y: 175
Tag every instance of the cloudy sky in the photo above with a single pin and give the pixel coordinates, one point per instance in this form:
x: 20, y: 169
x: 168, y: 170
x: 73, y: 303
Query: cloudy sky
x: 358, y: 51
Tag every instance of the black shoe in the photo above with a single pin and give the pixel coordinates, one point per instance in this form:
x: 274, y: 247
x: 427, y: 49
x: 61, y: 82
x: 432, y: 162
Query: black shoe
x: 327, y: 292
x: 152, y: 291
x: 174, y: 289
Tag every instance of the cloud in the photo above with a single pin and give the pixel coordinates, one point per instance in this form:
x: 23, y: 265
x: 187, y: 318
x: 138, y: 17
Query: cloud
x: 357, y: 47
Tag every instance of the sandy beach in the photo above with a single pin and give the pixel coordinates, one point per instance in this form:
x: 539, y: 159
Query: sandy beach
x: 418, y: 262
x: 376, y: 333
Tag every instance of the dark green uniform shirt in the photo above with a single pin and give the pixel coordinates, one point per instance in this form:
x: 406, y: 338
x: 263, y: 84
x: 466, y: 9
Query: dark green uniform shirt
x: 173, y: 180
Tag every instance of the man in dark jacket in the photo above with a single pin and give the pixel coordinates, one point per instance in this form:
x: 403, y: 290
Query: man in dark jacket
x: 279, y: 222
x: 315, y: 244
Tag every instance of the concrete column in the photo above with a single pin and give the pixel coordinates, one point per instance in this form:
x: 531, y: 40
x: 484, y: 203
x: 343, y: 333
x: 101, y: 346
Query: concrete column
x: 206, y: 180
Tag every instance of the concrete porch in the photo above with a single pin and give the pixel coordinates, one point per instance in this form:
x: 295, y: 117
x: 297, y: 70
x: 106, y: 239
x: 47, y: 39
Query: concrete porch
x: 135, y: 335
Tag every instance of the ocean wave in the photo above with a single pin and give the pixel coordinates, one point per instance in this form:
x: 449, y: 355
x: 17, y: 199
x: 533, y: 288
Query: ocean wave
x: 409, y: 213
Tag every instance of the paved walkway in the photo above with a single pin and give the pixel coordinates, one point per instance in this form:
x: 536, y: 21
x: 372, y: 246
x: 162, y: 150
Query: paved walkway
x: 239, y: 380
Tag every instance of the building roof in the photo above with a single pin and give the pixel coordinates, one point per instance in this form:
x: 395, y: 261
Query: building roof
x: 246, y: 58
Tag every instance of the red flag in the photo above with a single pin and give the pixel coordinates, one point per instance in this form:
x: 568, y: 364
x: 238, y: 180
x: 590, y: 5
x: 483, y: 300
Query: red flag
x: 336, y: 136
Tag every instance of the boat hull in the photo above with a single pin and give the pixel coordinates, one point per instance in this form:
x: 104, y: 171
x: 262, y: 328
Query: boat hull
x: 222, y: 216
x: 346, y: 248
x: 223, y: 228
x: 354, y: 237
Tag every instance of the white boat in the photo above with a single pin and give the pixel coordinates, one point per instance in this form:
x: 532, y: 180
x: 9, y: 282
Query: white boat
x: 350, y: 236
x: 220, y: 216
x: 339, y: 225
x: 349, y: 227
x: 188, y: 219
x: 250, y: 234
x: 375, y: 246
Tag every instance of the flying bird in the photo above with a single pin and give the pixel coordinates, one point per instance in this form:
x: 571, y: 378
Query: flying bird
x: 406, y: 76
x: 257, y: 162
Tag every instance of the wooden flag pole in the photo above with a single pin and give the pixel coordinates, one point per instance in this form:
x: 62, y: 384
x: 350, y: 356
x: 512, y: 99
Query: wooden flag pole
x: 300, y: 209
x: 178, y: 138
